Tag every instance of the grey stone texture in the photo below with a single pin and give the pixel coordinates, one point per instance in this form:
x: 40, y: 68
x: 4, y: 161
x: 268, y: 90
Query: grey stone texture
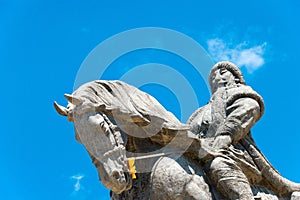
x: 212, y: 156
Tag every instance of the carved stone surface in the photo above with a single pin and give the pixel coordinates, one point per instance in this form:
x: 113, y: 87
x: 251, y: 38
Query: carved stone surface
x: 212, y: 156
x: 295, y: 196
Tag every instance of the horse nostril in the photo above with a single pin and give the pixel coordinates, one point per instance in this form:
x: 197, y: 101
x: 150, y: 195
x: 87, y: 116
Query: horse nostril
x: 116, y: 175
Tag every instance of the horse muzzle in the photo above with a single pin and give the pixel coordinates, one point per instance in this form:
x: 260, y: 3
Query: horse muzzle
x: 117, y: 181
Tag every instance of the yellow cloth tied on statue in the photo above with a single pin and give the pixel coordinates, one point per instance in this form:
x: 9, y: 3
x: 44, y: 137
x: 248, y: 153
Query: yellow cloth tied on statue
x: 131, y: 166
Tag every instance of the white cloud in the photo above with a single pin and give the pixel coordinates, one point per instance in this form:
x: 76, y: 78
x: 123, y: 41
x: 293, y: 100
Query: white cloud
x: 77, y: 185
x: 79, y: 192
x: 241, y: 54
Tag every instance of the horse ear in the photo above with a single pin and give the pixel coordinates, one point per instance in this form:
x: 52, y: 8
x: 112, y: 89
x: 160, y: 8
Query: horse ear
x: 74, y: 100
x: 60, y: 109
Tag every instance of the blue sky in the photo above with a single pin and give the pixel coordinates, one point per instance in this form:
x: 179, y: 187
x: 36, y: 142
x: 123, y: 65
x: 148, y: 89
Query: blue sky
x: 42, y: 46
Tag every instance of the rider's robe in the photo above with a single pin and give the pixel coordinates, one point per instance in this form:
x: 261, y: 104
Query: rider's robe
x: 233, y: 111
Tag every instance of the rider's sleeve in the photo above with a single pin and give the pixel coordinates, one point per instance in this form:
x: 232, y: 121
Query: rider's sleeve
x: 240, y: 117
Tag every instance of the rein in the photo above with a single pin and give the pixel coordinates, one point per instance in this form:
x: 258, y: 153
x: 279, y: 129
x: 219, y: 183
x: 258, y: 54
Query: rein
x: 118, y: 149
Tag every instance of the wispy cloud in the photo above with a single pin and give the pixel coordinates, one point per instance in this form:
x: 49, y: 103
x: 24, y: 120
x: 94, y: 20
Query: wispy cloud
x: 77, y: 185
x: 251, y: 57
x: 79, y: 192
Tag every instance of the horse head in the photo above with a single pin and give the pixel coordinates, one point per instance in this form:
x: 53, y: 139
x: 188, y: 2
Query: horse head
x: 101, y: 139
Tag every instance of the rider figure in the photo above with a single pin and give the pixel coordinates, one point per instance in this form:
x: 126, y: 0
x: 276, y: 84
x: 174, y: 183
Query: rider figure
x: 222, y: 124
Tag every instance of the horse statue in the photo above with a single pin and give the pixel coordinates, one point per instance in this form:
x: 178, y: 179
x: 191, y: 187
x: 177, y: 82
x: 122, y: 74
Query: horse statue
x: 140, y: 150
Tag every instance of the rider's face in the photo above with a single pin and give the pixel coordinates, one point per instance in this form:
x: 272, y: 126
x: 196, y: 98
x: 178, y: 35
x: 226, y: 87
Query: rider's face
x: 222, y: 78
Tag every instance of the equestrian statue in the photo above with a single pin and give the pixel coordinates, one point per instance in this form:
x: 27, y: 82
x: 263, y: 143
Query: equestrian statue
x: 142, y: 151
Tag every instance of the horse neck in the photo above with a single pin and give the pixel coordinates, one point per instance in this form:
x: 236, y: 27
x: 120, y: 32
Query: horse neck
x: 140, y: 145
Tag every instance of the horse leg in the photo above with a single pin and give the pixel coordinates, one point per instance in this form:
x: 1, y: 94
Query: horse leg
x: 178, y: 179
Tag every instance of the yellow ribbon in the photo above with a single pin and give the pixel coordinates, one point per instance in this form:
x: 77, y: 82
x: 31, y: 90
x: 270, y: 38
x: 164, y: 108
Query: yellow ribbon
x: 131, y: 166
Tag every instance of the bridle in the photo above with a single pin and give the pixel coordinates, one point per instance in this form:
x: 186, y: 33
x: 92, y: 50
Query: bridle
x: 109, y: 129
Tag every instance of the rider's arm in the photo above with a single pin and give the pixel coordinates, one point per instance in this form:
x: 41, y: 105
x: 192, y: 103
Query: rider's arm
x: 240, y: 117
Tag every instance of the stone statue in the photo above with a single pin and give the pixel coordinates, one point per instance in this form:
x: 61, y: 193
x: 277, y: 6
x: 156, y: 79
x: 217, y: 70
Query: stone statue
x: 141, y: 151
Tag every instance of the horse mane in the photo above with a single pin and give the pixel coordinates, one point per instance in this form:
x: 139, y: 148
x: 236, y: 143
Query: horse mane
x: 124, y: 101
